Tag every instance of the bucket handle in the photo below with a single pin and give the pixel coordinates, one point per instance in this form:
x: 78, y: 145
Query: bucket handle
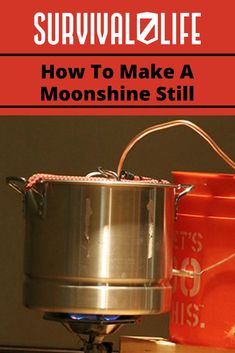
x: 192, y: 274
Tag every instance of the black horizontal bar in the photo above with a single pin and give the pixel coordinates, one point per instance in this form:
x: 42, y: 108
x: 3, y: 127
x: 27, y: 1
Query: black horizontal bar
x: 117, y: 54
x: 115, y: 106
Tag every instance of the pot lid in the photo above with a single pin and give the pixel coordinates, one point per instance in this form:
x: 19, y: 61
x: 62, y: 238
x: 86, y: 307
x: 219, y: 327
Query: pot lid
x: 101, y: 177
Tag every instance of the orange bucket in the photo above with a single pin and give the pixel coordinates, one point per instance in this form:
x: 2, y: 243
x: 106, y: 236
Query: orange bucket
x: 203, y: 306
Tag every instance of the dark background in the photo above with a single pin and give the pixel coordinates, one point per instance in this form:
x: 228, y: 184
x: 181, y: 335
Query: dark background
x: 76, y: 146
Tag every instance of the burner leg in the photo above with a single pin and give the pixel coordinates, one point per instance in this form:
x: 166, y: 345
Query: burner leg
x: 95, y: 348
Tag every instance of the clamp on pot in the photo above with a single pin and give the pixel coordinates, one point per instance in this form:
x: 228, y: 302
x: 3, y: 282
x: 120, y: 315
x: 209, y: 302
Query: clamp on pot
x: 103, y: 173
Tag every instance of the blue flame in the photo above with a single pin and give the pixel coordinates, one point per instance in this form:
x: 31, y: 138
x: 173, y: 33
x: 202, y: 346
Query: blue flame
x: 93, y: 317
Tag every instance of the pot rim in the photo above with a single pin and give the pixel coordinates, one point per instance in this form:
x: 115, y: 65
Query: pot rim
x: 108, y: 182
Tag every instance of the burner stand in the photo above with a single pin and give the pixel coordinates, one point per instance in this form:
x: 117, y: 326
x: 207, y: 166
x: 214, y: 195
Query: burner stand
x: 92, y: 332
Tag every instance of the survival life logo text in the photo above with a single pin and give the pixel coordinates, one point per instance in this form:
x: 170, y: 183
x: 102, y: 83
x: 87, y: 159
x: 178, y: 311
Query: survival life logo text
x: 66, y: 28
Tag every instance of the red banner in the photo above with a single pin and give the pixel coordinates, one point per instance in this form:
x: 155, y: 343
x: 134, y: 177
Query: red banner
x: 117, y: 58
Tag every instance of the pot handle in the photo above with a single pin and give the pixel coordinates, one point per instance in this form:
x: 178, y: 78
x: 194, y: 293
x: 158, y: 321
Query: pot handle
x: 17, y: 184
x: 186, y: 188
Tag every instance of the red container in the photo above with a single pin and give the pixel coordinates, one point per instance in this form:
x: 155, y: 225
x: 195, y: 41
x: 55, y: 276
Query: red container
x: 203, y: 307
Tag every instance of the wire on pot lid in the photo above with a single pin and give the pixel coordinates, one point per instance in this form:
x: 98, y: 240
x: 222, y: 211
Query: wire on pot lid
x: 167, y: 125
x: 104, y: 173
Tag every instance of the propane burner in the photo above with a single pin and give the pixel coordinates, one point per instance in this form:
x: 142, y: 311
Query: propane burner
x: 92, y: 329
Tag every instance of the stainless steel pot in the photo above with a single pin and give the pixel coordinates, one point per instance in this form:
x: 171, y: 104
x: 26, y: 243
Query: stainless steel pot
x: 98, y: 246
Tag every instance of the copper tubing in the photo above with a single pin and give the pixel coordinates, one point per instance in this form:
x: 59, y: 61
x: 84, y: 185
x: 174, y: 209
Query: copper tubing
x: 192, y: 274
x: 167, y: 125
